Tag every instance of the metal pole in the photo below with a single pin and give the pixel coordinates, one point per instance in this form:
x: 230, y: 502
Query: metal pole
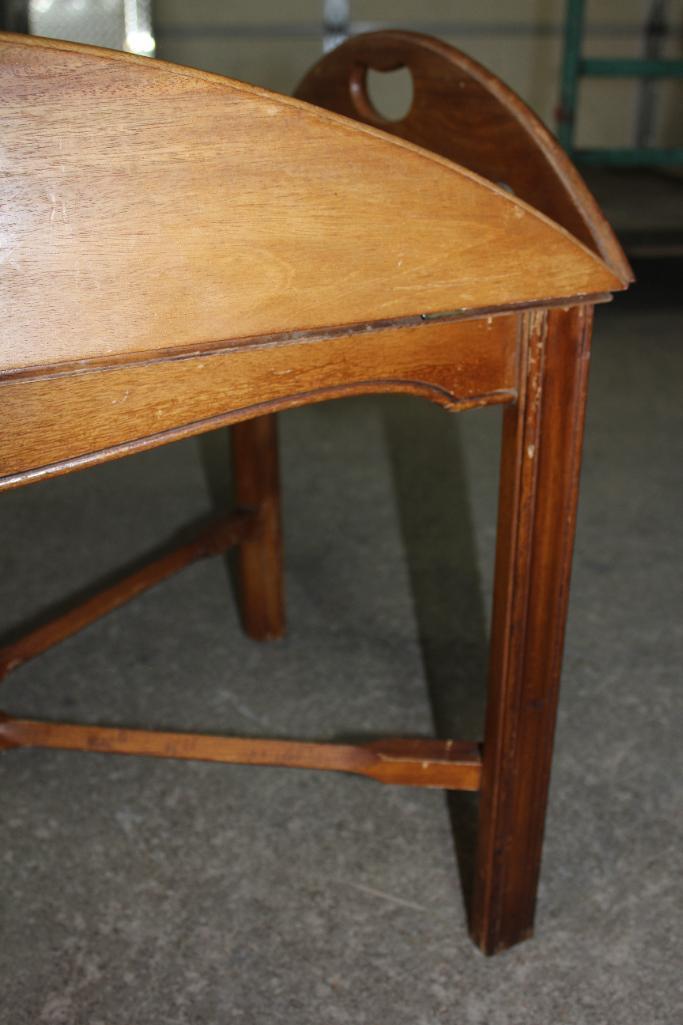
x: 137, y: 17
x: 573, y: 31
x: 336, y: 23
x: 654, y: 31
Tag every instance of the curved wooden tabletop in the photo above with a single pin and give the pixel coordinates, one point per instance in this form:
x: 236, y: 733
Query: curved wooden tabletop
x: 150, y: 208
x: 463, y: 111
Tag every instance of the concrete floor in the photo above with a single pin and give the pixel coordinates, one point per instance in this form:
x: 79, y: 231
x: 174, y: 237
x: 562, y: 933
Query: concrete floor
x: 139, y: 892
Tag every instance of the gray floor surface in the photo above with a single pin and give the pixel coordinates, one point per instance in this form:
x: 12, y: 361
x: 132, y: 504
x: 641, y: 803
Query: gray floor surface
x: 138, y: 892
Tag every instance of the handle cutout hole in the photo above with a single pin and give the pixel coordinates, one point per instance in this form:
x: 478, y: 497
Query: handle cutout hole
x: 390, y: 93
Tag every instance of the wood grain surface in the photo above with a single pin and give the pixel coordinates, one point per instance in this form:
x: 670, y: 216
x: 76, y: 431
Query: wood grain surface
x: 464, y: 112
x: 140, y: 405
x: 180, y: 251
x: 447, y: 764
x: 145, y: 206
x: 540, y: 465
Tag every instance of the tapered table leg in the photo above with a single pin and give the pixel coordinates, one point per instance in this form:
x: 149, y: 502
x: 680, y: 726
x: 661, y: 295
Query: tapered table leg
x: 540, y: 462
x: 257, y: 488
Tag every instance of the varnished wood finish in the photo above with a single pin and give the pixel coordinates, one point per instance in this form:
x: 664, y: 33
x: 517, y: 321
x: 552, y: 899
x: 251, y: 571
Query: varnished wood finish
x: 447, y: 764
x: 463, y: 112
x: 189, y: 208
x: 257, y: 493
x: 140, y: 405
x: 182, y: 251
x: 214, y: 539
x: 540, y: 462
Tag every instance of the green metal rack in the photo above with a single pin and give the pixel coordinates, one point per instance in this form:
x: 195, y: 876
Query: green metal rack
x: 575, y: 67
